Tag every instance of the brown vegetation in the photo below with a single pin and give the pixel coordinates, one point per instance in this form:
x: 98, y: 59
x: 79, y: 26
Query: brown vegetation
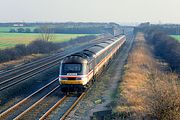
x: 24, y: 59
x: 146, y: 92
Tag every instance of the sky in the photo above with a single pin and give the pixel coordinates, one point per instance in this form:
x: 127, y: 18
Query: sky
x: 121, y: 11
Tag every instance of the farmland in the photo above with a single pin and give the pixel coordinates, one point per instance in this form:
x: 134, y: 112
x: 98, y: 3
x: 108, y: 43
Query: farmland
x: 177, y: 37
x: 11, y: 39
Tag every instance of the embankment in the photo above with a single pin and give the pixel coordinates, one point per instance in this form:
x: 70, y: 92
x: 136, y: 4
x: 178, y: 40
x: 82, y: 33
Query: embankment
x: 146, y: 91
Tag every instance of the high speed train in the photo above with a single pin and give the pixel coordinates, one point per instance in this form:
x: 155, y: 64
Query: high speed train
x: 78, y: 70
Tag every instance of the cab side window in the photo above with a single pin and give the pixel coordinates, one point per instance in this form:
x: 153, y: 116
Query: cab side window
x: 90, y: 66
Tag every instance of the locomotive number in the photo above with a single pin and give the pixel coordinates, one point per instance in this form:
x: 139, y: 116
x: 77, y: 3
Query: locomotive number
x: 71, y: 74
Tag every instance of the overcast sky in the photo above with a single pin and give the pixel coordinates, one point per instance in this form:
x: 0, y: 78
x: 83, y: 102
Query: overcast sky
x: 164, y: 11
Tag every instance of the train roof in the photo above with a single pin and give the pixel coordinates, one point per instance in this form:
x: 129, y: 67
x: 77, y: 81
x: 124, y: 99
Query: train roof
x: 89, y: 53
x: 83, y: 56
x: 103, y: 44
x: 98, y: 47
x: 75, y: 59
x: 95, y: 48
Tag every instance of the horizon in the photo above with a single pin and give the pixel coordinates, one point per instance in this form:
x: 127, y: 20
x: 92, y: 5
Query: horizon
x: 120, y: 23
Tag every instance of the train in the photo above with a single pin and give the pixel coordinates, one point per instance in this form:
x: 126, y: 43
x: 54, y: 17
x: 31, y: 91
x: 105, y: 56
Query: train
x: 78, y: 71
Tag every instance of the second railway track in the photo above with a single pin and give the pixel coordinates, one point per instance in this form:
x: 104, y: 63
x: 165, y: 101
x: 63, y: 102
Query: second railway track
x: 27, y: 102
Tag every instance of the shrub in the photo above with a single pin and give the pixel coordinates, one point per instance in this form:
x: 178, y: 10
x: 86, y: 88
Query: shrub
x: 21, y: 49
x: 12, y: 30
x: 163, y: 96
x: 20, y: 30
x: 165, y: 47
x: 37, y: 46
x: 41, y: 46
x: 27, y: 30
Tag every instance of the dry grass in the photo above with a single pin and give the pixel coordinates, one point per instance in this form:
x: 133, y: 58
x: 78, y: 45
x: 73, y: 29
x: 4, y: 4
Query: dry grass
x: 22, y: 60
x: 147, y: 92
x: 162, y: 97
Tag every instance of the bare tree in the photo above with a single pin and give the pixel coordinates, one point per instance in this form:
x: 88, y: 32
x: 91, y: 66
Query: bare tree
x: 47, y: 33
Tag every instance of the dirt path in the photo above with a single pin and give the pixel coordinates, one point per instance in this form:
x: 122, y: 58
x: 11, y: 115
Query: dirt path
x: 103, y: 92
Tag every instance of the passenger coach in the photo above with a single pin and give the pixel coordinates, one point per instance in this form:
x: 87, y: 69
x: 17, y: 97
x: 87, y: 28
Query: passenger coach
x: 77, y: 71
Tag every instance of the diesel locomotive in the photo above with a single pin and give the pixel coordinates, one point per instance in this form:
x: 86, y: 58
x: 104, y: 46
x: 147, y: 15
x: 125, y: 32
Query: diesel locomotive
x: 78, y: 70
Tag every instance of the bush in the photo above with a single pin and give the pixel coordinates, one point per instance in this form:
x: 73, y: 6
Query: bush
x: 12, y: 30
x: 20, y: 30
x: 21, y: 49
x: 27, y: 30
x: 37, y: 46
x: 8, y: 54
x: 163, y: 96
x: 165, y: 47
x: 36, y: 30
x: 41, y: 46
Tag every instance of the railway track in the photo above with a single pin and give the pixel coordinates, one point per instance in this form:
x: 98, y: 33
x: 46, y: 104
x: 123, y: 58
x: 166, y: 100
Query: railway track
x: 22, y: 73
x: 63, y: 107
x: 46, y: 103
x: 32, y: 99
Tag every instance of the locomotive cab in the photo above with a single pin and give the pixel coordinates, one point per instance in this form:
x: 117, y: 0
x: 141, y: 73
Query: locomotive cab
x: 73, y: 72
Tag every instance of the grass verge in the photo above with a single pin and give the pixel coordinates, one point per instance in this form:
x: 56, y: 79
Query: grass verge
x: 147, y: 92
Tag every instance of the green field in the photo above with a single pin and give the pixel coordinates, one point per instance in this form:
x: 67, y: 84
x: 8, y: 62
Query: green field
x: 11, y: 39
x: 177, y: 37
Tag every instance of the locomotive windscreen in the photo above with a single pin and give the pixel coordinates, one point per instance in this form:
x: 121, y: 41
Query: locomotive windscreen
x: 71, y: 69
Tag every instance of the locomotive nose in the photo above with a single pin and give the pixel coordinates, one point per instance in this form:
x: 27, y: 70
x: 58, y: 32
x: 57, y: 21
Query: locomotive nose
x: 70, y: 78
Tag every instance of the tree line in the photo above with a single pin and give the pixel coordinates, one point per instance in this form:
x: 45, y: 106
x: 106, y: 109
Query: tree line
x: 65, y: 30
x: 36, y: 47
x: 62, y: 24
x: 21, y: 30
x: 170, y: 29
x: 165, y: 46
